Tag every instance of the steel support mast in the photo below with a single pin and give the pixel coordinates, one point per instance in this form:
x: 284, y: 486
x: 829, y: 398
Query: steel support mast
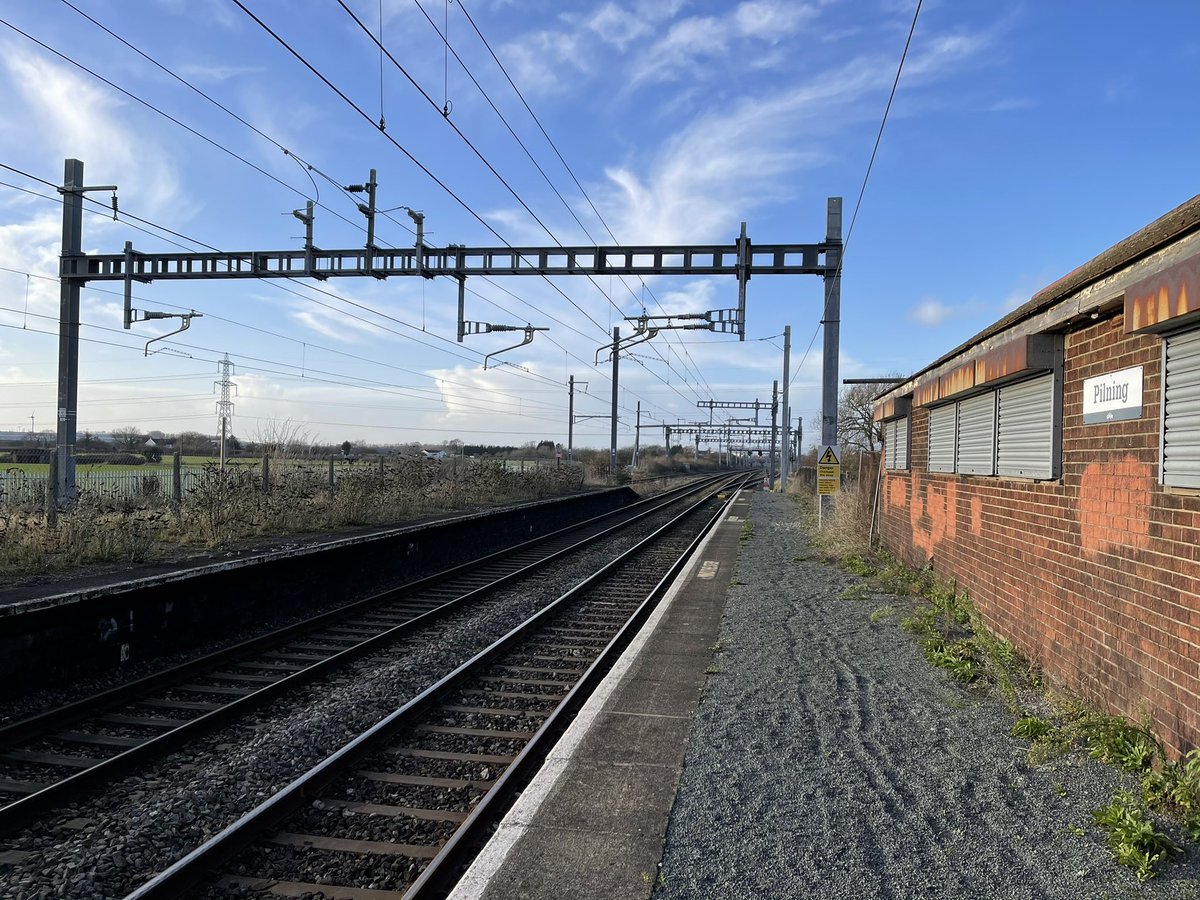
x: 832, y: 319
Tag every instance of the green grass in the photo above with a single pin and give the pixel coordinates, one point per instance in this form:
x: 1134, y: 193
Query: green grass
x: 1033, y: 728
x: 1131, y: 836
x: 859, y: 566
x: 1176, y: 788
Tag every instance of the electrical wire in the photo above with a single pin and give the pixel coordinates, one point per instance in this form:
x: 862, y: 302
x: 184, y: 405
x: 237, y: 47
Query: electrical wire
x: 862, y: 190
x: 308, y: 167
x: 561, y: 159
x: 363, y: 114
x: 311, y: 374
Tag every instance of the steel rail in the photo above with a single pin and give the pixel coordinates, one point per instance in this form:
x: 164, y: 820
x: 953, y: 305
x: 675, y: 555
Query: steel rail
x: 21, y: 812
x: 173, y: 881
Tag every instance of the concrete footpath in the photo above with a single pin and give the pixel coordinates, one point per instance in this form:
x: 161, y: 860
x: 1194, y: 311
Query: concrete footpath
x: 592, y: 823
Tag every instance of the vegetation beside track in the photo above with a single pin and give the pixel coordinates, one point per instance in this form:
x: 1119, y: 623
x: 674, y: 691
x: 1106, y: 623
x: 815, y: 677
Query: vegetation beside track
x: 242, y: 506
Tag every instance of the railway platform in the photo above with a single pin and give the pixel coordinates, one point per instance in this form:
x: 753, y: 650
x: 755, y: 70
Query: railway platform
x: 593, y: 821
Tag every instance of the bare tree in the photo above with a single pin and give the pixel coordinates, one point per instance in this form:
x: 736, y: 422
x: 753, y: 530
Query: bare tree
x: 193, y: 443
x: 857, y: 429
x: 282, y: 438
x: 128, y: 437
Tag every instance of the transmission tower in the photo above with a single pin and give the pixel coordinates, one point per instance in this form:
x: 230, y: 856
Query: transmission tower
x: 225, y: 405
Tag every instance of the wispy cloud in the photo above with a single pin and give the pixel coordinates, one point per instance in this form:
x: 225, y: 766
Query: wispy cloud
x: 332, y: 324
x: 216, y: 12
x: 652, y: 42
x: 933, y: 312
x: 1012, y: 104
x: 722, y: 164
x: 690, y: 42
x: 215, y: 72
x: 63, y: 115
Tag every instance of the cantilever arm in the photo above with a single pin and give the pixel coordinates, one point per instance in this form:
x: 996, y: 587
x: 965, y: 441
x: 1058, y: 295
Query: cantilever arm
x: 187, y: 323
x: 528, y: 329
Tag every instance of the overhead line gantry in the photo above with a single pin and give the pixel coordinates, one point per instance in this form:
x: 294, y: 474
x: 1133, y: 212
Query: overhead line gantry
x: 741, y: 259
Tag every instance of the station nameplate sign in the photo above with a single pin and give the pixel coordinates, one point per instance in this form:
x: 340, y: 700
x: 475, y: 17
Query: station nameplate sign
x: 1113, y: 397
x: 829, y: 469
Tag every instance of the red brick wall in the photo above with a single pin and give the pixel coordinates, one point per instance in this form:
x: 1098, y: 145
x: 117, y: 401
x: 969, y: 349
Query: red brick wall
x: 1096, y: 576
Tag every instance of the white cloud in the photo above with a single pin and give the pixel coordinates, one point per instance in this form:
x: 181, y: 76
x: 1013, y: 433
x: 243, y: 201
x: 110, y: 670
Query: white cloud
x: 332, y: 324
x: 544, y: 62
x: 65, y: 116
x: 1012, y: 104
x: 215, y: 72
x: 771, y: 21
x: 679, y: 53
x: 712, y: 171
x: 932, y: 312
x: 618, y: 26
x: 929, y: 58
x: 216, y: 12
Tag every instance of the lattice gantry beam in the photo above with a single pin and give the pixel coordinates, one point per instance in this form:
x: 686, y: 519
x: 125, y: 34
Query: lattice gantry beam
x: 761, y: 259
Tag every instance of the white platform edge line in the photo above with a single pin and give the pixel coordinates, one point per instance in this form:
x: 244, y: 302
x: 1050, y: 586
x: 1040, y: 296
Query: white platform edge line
x: 516, y: 822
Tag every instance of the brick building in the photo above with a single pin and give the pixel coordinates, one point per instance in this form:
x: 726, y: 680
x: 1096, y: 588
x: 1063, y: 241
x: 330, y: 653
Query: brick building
x: 1051, y: 465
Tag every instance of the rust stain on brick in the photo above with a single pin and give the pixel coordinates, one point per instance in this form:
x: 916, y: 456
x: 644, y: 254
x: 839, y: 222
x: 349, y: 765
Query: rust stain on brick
x: 933, y: 513
x: 1114, y: 506
x: 977, y: 515
x: 1164, y: 297
x: 897, y: 494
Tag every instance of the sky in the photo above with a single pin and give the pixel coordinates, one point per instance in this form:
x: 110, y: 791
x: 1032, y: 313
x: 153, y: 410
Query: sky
x: 1023, y: 139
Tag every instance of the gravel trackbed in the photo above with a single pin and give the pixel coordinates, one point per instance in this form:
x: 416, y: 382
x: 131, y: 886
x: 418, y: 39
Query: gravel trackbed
x: 829, y: 759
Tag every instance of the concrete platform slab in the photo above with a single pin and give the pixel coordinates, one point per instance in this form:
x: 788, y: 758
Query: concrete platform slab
x: 607, y: 797
x: 601, y: 865
x: 661, y: 697
x: 622, y: 738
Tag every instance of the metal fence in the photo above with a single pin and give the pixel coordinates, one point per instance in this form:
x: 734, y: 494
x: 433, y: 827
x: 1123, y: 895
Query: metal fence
x: 18, y: 487
x: 22, y: 488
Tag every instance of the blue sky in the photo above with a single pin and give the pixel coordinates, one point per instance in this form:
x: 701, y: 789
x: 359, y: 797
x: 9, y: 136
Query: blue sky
x: 1024, y: 139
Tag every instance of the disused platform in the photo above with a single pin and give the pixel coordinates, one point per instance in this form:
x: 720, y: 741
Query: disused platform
x: 592, y: 822
x: 92, y: 626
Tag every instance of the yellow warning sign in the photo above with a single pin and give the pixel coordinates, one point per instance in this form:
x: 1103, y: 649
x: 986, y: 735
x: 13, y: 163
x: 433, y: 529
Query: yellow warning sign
x: 829, y: 470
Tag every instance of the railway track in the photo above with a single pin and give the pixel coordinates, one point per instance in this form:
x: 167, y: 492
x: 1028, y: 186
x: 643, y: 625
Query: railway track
x: 49, y: 760
x: 401, y: 809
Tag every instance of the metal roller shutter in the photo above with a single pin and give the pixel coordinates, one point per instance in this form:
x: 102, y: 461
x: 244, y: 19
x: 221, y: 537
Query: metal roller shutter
x: 975, y: 454
x: 1025, y: 428
x: 1181, y: 411
x: 943, y: 422
x: 897, y: 443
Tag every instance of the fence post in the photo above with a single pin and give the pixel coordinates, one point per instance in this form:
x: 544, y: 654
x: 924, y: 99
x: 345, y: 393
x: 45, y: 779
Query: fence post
x: 331, y: 471
x: 266, y: 485
x: 177, y: 483
x: 381, y: 467
x: 51, y: 504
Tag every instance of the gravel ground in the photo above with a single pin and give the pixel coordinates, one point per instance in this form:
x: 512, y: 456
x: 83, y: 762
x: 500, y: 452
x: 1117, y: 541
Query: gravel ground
x: 829, y: 759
